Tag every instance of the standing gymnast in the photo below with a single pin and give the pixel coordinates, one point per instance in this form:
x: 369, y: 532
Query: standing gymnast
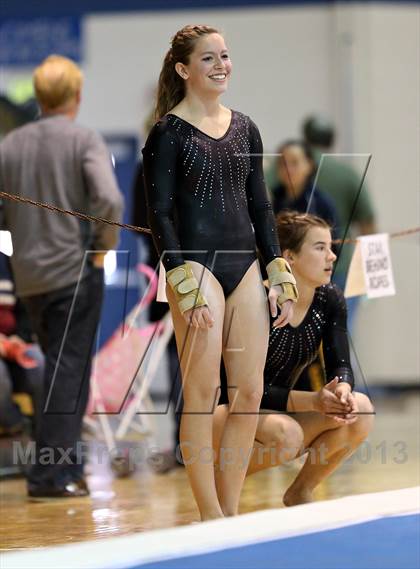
x: 331, y: 423
x: 208, y: 210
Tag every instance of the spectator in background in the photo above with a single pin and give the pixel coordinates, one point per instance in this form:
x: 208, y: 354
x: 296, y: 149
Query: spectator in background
x: 21, y: 361
x: 343, y: 185
x: 295, y: 183
x: 58, y: 161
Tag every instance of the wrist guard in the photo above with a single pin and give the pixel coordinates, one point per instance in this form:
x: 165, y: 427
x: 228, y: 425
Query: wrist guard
x: 185, y: 287
x: 280, y: 273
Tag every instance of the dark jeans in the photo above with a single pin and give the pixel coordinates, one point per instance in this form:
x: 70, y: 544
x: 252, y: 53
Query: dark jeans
x: 65, y: 322
x: 14, y: 378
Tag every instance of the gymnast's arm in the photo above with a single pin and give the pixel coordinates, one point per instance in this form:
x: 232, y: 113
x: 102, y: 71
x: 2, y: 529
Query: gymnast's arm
x: 160, y: 165
x: 160, y: 156
x: 335, y: 347
x: 335, y: 343
x: 283, y: 290
x: 259, y: 205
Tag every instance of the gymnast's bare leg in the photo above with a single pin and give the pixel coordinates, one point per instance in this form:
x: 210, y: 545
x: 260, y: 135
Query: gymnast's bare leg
x: 281, y: 437
x: 330, y: 443
x: 245, y: 342
x: 199, y: 352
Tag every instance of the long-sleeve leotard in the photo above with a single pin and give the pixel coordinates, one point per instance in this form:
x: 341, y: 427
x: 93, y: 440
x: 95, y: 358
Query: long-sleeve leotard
x: 206, y: 197
x: 292, y: 349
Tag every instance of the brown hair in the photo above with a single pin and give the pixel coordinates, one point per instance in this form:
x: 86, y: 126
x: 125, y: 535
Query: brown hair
x: 57, y: 81
x: 171, y: 87
x: 293, y: 226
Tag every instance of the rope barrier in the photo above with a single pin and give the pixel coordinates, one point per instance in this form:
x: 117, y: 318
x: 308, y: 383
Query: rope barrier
x: 87, y: 217
x: 83, y: 216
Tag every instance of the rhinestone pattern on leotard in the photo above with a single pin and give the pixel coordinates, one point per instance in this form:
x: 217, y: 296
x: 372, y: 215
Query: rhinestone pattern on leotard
x: 208, y: 194
x: 291, y: 350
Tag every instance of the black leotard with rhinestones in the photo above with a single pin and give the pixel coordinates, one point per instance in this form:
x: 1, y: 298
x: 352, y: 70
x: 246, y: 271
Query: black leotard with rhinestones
x: 292, y: 349
x: 207, y: 195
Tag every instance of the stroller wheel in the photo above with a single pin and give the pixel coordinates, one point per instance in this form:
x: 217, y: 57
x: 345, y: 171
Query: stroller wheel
x: 162, y: 462
x: 120, y: 464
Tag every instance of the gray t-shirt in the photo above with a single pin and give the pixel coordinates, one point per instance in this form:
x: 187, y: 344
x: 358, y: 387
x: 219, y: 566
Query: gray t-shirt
x: 57, y: 161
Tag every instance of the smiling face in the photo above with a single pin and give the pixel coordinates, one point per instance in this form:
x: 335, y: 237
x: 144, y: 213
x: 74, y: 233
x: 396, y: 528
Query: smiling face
x: 209, y: 66
x: 314, y: 262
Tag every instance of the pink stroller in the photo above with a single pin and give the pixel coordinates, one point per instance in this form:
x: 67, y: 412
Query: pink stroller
x: 122, y: 372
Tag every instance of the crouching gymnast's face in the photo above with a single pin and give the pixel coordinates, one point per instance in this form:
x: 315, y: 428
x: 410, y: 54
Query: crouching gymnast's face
x: 312, y: 262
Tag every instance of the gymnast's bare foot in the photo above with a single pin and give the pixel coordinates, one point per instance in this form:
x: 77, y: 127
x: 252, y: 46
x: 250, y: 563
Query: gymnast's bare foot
x: 211, y: 516
x: 296, y: 496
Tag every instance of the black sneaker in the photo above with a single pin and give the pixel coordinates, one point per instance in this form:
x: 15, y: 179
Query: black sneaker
x: 77, y: 489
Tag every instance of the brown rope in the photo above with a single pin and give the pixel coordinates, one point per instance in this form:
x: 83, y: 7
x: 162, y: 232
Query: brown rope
x: 391, y: 235
x: 83, y: 216
x: 145, y: 229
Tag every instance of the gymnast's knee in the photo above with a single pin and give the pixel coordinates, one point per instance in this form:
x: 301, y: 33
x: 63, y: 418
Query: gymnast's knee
x: 203, y: 392
x: 288, y: 438
x: 245, y: 399
x: 365, y: 420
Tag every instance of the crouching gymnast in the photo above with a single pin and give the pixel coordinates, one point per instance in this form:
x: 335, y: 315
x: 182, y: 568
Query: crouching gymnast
x: 330, y: 423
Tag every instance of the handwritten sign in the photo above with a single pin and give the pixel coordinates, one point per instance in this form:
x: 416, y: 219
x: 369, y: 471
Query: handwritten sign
x: 377, y: 265
x: 370, y: 270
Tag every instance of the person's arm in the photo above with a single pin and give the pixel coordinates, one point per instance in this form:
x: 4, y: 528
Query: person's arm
x: 336, y: 396
x: 160, y: 156
x: 300, y: 401
x: 336, y: 352
x: 259, y: 205
x: 326, y: 401
x: 283, y: 291
x: 160, y: 172
x: 104, y: 198
x: 335, y: 343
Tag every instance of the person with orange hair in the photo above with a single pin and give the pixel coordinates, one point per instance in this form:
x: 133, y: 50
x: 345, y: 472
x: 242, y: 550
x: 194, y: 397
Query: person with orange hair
x: 58, y: 161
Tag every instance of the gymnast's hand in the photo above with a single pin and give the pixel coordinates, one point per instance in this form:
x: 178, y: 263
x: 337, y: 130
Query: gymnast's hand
x: 283, y: 291
x: 287, y: 307
x: 191, y: 303
x: 199, y: 317
x: 346, y: 397
x: 328, y: 402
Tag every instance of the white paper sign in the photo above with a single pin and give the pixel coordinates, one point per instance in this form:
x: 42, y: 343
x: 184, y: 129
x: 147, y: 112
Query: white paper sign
x: 377, y: 266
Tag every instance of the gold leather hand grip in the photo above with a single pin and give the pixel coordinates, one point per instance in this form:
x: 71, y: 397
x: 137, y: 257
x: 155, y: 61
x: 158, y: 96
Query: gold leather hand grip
x: 280, y: 273
x: 185, y: 287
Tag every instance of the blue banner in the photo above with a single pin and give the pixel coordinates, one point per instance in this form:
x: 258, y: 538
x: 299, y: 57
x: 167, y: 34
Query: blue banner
x: 27, y: 41
x: 34, y: 8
